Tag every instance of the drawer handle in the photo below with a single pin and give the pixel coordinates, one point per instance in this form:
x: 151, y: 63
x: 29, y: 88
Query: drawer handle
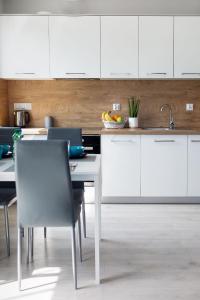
x: 25, y: 73
x: 157, y: 73
x: 89, y: 148
x: 75, y: 73
x: 195, y: 141
x: 127, y: 74
x: 164, y: 141
x: 185, y: 73
x: 122, y: 141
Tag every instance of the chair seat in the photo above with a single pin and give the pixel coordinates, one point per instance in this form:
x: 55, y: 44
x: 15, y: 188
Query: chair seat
x: 6, y: 195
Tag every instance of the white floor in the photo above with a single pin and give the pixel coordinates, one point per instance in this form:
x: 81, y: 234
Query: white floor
x: 149, y: 252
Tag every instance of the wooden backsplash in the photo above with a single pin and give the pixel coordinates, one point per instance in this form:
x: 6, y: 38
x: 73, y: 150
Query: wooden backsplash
x: 80, y: 102
x: 3, y: 103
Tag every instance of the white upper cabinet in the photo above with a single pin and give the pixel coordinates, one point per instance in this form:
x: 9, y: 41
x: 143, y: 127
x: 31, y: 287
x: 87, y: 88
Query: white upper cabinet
x: 155, y: 47
x: 119, y: 47
x: 24, y: 47
x: 187, y: 47
x: 164, y: 166
x: 74, y: 46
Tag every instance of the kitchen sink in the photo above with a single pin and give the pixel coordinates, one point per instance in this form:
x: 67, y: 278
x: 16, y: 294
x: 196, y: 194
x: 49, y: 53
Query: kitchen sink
x: 157, y: 128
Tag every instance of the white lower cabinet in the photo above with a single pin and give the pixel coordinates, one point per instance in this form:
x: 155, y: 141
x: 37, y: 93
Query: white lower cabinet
x: 194, y: 165
x: 151, y: 166
x: 164, y: 166
x: 120, y: 165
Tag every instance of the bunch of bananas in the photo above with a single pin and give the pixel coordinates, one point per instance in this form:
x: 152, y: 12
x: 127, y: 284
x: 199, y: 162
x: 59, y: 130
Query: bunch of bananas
x: 108, y: 117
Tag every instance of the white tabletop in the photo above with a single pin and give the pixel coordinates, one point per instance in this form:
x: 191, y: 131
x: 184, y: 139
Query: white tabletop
x: 86, y: 168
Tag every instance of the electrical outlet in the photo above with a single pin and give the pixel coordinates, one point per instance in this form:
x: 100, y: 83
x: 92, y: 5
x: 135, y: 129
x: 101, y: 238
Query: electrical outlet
x: 22, y: 106
x: 116, y: 106
x: 189, y: 107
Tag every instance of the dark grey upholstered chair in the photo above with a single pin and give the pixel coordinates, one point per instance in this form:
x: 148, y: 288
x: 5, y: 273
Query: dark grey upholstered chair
x: 44, y: 191
x: 6, y: 136
x: 7, y: 193
x: 75, y: 137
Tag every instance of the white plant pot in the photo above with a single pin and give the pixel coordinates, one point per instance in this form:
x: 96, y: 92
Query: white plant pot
x: 133, y: 122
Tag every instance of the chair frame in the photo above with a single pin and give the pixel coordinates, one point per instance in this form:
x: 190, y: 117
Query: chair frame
x: 26, y: 223
x: 30, y: 250
x: 83, y: 203
x: 7, y: 230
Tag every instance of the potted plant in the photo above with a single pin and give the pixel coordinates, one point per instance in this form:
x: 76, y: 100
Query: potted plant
x: 133, y: 105
x: 17, y: 135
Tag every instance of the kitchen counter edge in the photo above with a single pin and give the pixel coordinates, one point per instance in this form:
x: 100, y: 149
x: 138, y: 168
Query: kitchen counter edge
x: 123, y: 131
x: 140, y: 131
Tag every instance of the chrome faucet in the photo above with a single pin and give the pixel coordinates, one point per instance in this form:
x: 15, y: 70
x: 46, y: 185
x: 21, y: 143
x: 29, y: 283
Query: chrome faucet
x: 171, y: 118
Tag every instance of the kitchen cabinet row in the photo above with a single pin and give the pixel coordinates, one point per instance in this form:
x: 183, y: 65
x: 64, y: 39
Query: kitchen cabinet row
x: 150, y: 165
x: 99, y: 47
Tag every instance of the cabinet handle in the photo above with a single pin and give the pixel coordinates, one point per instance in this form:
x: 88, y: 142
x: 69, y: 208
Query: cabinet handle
x: 185, y: 73
x: 157, y: 73
x: 89, y: 148
x: 164, y: 141
x: 75, y: 73
x: 195, y: 141
x: 127, y: 74
x: 25, y: 73
x: 122, y: 141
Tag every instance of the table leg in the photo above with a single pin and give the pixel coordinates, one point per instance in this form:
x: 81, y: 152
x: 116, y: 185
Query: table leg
x: 97, y: 185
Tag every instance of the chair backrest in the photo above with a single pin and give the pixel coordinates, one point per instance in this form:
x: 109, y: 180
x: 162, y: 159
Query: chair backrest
x: 43, y: 183
x: 72, y: 134
x: 6, y: 136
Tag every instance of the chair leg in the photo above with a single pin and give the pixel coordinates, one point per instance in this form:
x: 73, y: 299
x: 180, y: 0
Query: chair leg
x: 80, y: 239
x: 45, y: 232
x: 84, y: 218
x: 7, y: 229
x: 19, y: 255
x: 74, y: 263
x: 32, y: 243
x: 28, y: 245
x: 22, y: 232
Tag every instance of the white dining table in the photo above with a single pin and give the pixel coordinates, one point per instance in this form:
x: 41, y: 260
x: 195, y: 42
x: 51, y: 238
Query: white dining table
x: 85, y: 169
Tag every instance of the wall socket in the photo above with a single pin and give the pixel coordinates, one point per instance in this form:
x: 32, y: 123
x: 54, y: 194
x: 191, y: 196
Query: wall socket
x: 116, y: 106
x: 22, y: 106
x: 189, y: 107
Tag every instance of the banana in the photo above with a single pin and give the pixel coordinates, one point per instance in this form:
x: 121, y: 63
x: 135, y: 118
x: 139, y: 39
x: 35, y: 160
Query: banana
x: 108, y: 117
x: 103, y: 115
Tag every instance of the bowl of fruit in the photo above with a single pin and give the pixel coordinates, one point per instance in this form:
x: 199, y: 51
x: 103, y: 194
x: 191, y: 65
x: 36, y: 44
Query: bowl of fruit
x: 112, y: 121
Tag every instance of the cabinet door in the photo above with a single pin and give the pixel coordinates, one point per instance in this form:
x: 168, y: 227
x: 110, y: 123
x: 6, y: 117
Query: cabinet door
x: 24, y: 47
x: 74, y: 47
x: 156, y: 47
x: 164, y: 166
x: 194, y: 165
x: 120, y: 165
x: 186, y: 47
x: 119, y: 47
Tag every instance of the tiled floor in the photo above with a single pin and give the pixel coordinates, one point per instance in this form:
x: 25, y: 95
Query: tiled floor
x: 149, y: 252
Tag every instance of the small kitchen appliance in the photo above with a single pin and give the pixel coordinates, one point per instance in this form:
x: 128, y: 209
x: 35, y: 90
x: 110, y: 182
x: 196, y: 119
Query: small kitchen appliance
x: 21, y: 118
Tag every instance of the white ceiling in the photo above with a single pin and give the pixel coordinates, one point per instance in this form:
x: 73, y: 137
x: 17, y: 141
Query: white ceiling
x: 137, y: 7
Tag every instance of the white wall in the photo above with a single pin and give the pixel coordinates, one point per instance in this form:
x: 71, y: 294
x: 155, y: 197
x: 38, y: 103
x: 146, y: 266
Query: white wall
x: 137, y: 7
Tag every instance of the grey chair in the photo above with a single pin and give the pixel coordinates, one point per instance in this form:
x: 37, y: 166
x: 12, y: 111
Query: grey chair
x: 44, y: 191
x: 74, y: 135
x: 7, y: 193
x: 6, y: 136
